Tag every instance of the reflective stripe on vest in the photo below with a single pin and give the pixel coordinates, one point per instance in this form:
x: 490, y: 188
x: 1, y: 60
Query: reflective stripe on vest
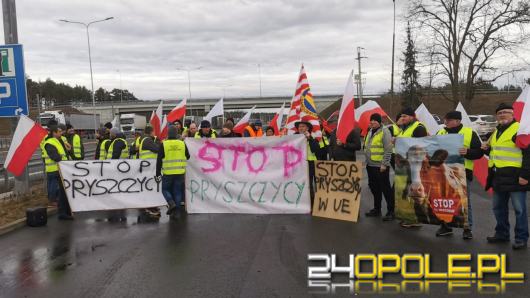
x: 323, y: 142
x: 253, y: 133
x: 146, y: 154
x: 174, y: 161
x: 102, y: 151
x: 468, y: 135
x: 407, y: 133
x: 124, y: 153
x: 76, y: 145
x: 395, y: 129
x: 376, y: 145
x: 50, y: 164
x: 310, y: 154
x: 504, y: 152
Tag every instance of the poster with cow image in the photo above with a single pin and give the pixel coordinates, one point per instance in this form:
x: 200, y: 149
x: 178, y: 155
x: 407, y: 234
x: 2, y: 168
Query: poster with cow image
x: 111, y: 184
x: 430, y: 180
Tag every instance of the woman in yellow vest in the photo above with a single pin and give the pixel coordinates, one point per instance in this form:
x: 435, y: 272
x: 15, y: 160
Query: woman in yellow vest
x: 508, y: 175
x: 378, y: 150
x: 170, y: 169
x: 55, y: 152
x: 470, y: 151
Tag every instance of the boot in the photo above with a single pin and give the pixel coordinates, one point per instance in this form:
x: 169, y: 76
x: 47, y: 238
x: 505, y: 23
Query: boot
x: 171, y: 207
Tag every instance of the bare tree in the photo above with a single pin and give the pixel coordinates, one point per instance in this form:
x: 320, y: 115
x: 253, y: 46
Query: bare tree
x: 468, y: 35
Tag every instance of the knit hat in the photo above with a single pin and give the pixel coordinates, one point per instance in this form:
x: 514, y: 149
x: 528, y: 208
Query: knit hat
x: 68, y: 126
x: 108, y: 125
x: 504, y: 106
x: 408, y: 111
x: 172, y: 132
x: 376, y: 117
x: 454, y: 115
x: 115, y: 131
x: 205, y: 124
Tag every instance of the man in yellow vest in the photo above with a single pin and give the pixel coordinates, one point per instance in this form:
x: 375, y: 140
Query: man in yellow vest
x: 410, y: 128
x: 305, y: 128
x: 118, y: 148
x: 103, y: 144
x: 191, y: 131
x: 133, y: 147
x: 171, y: 168
x: 470, y: 151
x: 508, y: 175
x: 206, y: 131
x: 67, y: 145
x: 378, y: 150
x: 78, y: 150
x: 148, y: 149
x: 55, y: 152
x: 253, y: 130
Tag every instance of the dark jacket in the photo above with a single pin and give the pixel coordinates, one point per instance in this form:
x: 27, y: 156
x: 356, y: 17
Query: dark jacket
x: 98, y: 147
x: 230, y: 135
x: 160, y: 157
x: 507, y: 179
x: 119, y: 145
x: 52, y: 151
x: 149, y: 144
x: 346, y: 152
x: 474, y: 152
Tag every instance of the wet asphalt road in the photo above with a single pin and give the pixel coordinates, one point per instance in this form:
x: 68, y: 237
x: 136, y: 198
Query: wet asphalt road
x: 221, y: 255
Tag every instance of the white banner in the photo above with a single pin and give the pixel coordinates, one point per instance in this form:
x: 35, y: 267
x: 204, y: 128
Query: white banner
x: 111, y: 184
x: 247, y: 175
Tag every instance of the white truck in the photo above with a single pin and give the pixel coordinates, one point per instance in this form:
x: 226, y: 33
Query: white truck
x: 82, y: 123
x: 132, y: 122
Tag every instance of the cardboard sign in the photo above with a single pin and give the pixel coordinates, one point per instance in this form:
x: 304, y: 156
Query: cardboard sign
x: 111, y: 184
x: 338, y: 194
x: 247, y: 175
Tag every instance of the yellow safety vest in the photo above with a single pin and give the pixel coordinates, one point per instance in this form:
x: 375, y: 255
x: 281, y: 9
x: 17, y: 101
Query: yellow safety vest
x: 136, y: 146
x: 102, y: 151
x: 310, y: 154
x: 504, y: 152
x: 407, y: 133
x: 65, y: 140
x: 146, y: 154
x: 124, y: 153
x: 395, y: 129
x: 377, y: 149
x: 174, y: 161
x: 42, y: 150
x: 323, y: 142
x: 50, y: 164
x: 468, y: 135
x: 76, y: 145
x: 198, y: 135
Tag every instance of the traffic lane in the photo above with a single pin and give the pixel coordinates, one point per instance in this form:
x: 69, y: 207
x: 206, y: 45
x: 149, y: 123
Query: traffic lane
x: 218, y: 254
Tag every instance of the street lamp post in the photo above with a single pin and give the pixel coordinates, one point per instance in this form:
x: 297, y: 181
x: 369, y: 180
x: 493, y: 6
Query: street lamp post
x: 188, y: 70
x: 121, y: 88
x: 393, y: 47
x: 90, y: 61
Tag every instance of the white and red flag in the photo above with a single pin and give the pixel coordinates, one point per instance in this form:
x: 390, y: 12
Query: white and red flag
x: 241, y: 124
x: 26, y: 140
x: 346, y: 121
x: 178, y: 112
x: 156, y: 119
x: 363, y: 113
x: 521, y: 109
x: 276, y: 122
x: 294, y: 111
x: 163, y: 128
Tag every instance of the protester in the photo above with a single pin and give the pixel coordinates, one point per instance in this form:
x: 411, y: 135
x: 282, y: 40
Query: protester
x: 227, y: 131
x: 171, y: 163
x: 323, y: 145
x: 394, y: 127
x: 344, y: 152
x: 148, y: 149
x: 56, y: 152
x: 231, y: 121
x: 179, y: 127
x: 269, y: 132
x: 67, y: 145
x: 378, y: 148
x: 305, y: 128
x: 103, y: 144
x: 118, y: 149
x: 253, y: 130
x: 410, y: 128
x: 470, y: 151
x: 135, y: 145
x: 509, y: 173
x: 78, y: 150
x: 206, y: 131
x: 192, y: 130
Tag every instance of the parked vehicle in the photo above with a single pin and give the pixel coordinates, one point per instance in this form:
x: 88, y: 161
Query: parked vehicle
x: 83, y: 123
x: 484, y: 125
x: 132, y: 122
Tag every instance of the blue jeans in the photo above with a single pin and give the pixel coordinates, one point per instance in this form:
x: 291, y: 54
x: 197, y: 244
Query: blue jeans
x: 172, y: 186
x: 52, y: 182
x: 500, y: 209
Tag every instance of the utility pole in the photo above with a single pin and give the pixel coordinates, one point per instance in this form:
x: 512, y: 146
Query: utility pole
x: 393, y: 49
x: 359, y: 75
x: 11, y: 37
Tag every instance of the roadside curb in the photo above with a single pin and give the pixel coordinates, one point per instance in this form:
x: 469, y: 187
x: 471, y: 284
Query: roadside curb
x: 19, y: 223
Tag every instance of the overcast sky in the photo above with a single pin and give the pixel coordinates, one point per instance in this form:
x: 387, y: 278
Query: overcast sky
x: 148, y: 40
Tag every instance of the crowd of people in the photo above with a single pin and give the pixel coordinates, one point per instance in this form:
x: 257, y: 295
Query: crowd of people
x: 509, y: 164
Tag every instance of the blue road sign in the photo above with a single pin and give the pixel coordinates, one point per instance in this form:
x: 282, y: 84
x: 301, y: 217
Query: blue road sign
x: 13, y: 95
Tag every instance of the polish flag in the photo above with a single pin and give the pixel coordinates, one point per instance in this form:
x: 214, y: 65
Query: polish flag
x: 346, y: 121
x: 363, y: 113
x: 217, y: 110
x: 424, y: 116
x: 522, y: 109
x: 178, y: 112
x: 241, y: 124
x: 26, y: 140
x: 156, y: 119
x: 163, y: 128
x: 276, y: 122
